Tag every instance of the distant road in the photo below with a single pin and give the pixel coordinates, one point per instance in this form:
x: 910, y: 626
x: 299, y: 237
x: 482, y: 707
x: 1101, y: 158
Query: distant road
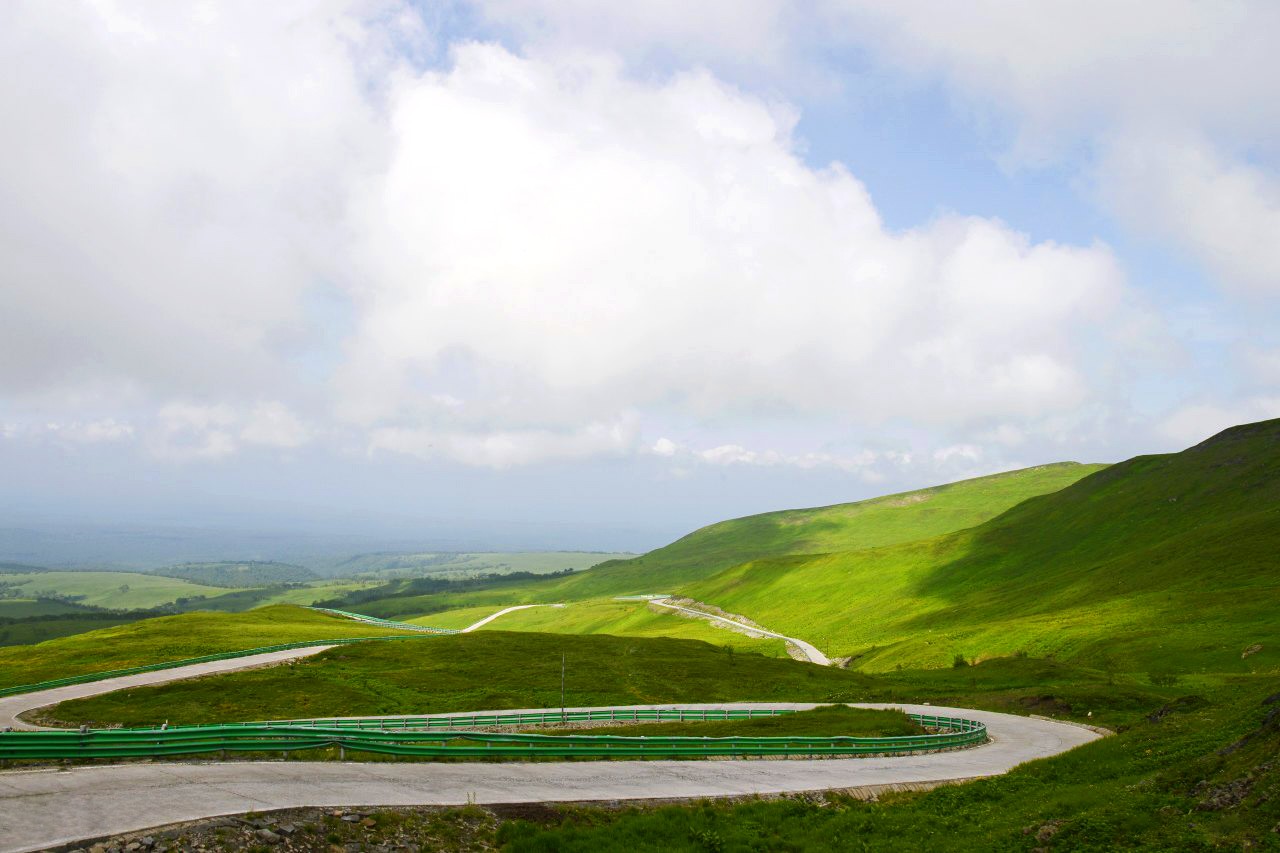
x: 58, y: 806
x: 486, y: 620
x: 409, y: 626
x: 810, y: 651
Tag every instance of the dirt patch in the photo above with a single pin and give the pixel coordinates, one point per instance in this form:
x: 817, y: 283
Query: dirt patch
x: 1047, y: 704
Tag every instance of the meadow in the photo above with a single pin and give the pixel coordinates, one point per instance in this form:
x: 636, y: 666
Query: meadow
x: 486, y: 670
x: 110, y: 590
x: 169, y: 638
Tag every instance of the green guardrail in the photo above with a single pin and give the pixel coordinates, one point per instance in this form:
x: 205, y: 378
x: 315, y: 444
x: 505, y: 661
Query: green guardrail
x: 422, y: 737
x: 155, y: 667
x: 384, y: 623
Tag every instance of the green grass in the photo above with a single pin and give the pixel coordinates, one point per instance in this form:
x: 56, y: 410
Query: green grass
x: 21, y: 608
x: 462, y: 565
x: 238, y: 575
x: 171, y: 638
x: 486, y: 670
x: 1152, y: 788
x: 872, y: 523
x: 24, y: 632
x: 1151, y: 560
x: 112, y: 590
x: 828, y: 721
x: 623, y: 618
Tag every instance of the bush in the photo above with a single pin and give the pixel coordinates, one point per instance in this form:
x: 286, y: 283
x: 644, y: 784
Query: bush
x: 959, y: 661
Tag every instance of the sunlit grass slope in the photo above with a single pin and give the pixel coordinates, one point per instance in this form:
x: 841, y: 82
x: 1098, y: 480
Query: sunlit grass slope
x: 172, y: 638
x: 1151, y: 560
x: 865, y: 524
x: 628, y: 619
x: 114, y: 590
x: 844, y: 527
x: 483, y: 670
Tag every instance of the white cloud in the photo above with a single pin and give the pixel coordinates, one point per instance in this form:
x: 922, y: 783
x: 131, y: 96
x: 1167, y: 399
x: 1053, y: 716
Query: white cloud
x: 509, y: 448
x: 1194, y: 423
x: 529, y: 248
x: 93, y: 432
x: 1179, y: 110
x: 593, y: 243
x: 664, y: 447
x: 736, y: 454
x: 273, y: 425
x: 962, y: 452
x: 191, y: 431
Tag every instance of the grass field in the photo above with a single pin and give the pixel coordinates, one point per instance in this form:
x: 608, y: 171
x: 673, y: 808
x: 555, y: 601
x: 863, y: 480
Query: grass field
x: 461, y: 565
x: 1153, y: 558
x: 485, y: 670
x: 112, y: 590
x: 874, y: 523
x: 1160, y: 556
x: 171, y: 638
x: 1163, y: 784
x: 22, y: 608
x: 624, y: 618
x: 23, y: 632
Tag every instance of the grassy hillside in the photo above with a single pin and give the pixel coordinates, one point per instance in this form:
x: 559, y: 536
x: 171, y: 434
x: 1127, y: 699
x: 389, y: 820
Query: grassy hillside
x: 240, y: 575
x: 844, y: 527
x: 865, y: 524
x: 484, y: 670
x: 464, y: 565
x: 1160, y: 556
x: 1199, y: 774
x: 627, y: 619
x: 171, y: 638
x: 113, y: 590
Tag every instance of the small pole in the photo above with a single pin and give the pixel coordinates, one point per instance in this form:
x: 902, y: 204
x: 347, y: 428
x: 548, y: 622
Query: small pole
x: 562, y: 714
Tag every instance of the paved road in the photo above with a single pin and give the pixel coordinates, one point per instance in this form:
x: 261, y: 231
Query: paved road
x: 810, y: 651
x: 42, y: 808
x: 12, y: 706
x: 486, y: 620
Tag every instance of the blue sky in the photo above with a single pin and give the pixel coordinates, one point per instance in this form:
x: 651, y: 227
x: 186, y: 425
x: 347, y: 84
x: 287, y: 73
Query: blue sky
x: 580, y: 274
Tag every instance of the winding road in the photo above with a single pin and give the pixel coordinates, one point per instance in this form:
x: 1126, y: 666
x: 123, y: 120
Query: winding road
x: 810, y: 651
x: 44, y: 807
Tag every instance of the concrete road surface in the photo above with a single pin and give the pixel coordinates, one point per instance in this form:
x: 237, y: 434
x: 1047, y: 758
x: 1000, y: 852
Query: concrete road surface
x: 42, y: 808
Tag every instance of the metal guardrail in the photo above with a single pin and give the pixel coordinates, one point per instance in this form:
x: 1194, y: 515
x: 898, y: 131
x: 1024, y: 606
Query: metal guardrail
x: 379, y: 622
x: 422, y: 737
x: 155, y: 667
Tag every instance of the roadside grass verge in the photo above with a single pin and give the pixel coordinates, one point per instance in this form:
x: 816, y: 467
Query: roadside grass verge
x: 630, y: 619
x: 170, y: 638
x: 1163, y: 784
x: 485, y: 670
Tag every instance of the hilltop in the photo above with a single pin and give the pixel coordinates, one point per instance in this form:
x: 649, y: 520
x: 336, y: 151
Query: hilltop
x: 1156, y: 556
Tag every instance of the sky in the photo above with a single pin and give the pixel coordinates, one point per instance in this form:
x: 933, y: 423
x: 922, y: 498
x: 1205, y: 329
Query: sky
x: 586, y: 274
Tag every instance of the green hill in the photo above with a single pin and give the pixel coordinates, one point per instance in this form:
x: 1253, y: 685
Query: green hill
x: 169, y: 638
x: 240, y: 575
x: 871, y: 523
x: 1159, y: 556
x: 864, y: 524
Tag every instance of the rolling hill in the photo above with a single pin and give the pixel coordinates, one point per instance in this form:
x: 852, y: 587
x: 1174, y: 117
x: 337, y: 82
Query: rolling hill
x: 864, y: 524
x: 1158, y: 556
x: 241, y: 575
